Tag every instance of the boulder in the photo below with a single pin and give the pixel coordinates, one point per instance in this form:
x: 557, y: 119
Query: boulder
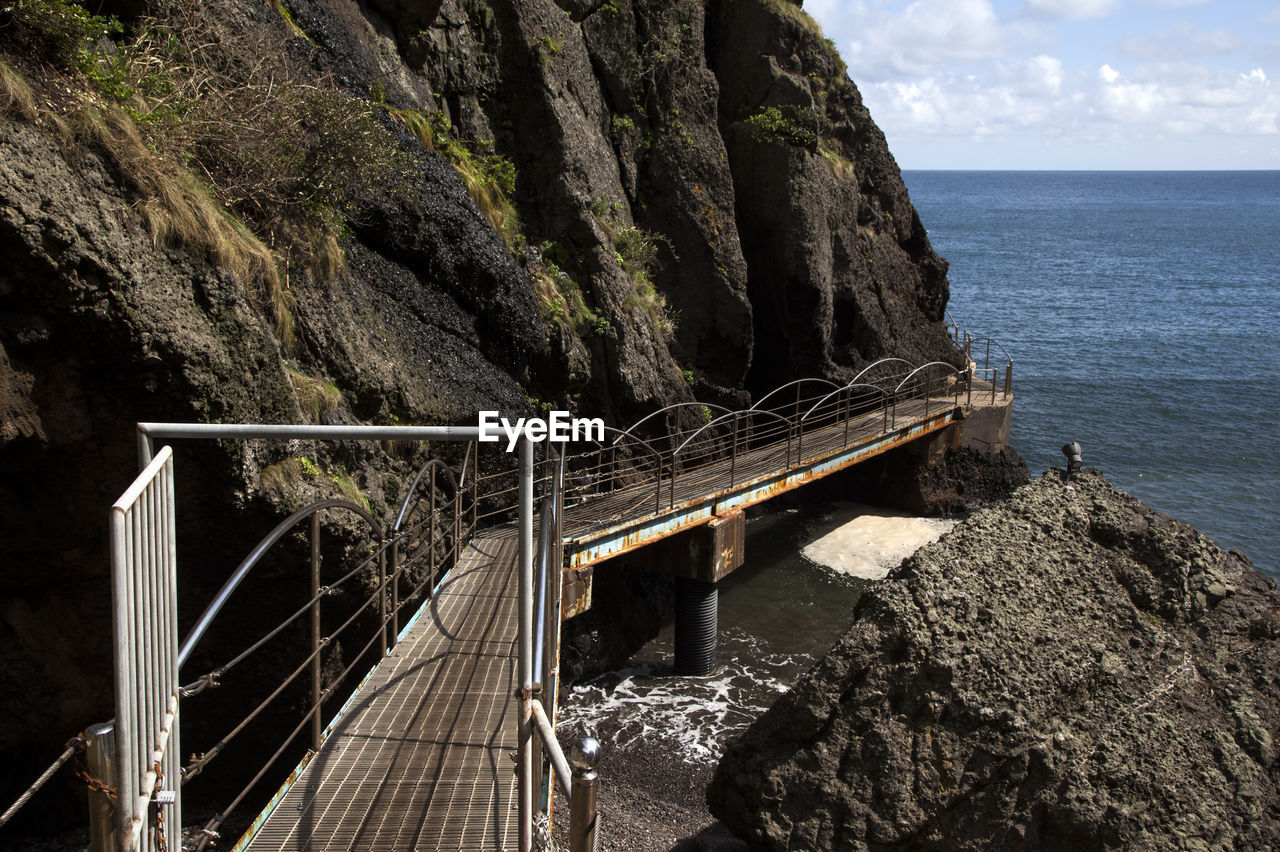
x: 1069, y: 669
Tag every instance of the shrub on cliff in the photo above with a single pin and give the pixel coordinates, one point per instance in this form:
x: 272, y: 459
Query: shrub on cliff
x: 245, y: 164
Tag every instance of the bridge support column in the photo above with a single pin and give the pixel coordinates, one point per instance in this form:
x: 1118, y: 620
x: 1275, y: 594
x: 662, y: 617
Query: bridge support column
x: 700, y: 559
x: 697, y: 616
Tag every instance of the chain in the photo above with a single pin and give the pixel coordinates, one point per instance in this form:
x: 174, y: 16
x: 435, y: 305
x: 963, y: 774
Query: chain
x: 161, y: 843
x: 95, y: 784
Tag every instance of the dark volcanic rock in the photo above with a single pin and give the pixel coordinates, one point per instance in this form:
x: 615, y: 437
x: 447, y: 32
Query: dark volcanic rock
x: 1067, y: 670
x: 954, y: 482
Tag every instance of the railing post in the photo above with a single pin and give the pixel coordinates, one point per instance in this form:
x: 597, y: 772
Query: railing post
x: 733, y: 456
x: 431, y: 537
x: 475, y: 485
x: 524, y: 570
x: 395, y: 586
x: 1008, y: 379
x: 100, y: 756
x: 457, y: 531
x: 584, y: 822
x: 316, y: 730
x: 382, y: 594
x: 657, y: 493
x: 993, y: 386
x: 847, y: 407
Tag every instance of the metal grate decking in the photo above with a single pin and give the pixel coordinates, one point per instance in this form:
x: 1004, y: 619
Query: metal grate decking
x: 422, y: 758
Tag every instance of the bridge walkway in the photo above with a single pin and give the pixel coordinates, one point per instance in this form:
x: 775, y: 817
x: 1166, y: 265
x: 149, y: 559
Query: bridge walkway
x: 422, y: 757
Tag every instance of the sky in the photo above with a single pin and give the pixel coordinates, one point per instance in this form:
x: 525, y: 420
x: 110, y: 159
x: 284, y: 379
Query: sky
x: 1066, y: 84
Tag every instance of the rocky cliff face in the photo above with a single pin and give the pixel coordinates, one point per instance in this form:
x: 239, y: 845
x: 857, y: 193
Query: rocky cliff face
x: 1066, y: 670
x: 691, y: 203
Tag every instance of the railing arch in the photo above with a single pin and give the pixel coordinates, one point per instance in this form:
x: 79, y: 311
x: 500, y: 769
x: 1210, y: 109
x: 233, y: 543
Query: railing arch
x: 432, y: 465
x: 284, y: 527
x: 921, y: 369
x: 699, y: 405
x: 883, y: 394
x: 596, y: 473
x: 317, y: 644
x: 796, y: 384
x: 723, y: 417
x: 882, y: 362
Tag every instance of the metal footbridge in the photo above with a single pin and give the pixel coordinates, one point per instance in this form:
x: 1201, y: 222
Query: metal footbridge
x: 448, y: 616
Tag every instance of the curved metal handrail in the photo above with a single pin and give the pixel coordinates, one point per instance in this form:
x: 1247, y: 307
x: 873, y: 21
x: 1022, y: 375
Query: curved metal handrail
x: 584, y: 487
x: 872, y: 366
x: 990, y: 342
x: 881, y: 391
x: 627, y: 434
x: 413, y: 487
x: 676, y: 452
x: 759, y: 403
x: 922, y: 367
x: 671, y: 407
x: 220, y: 599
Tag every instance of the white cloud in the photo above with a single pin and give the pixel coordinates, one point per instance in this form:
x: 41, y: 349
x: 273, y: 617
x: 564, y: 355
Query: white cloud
x: 1181, y: 42
x: 1036, y: 100
x: 1070, y: 10
x: 1173, y: 4
x: 950, y: 79
x: 1043, y: 74
x: 913, y: 42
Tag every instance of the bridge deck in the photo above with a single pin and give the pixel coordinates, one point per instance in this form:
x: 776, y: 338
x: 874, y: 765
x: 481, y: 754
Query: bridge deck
x: 423, y: 757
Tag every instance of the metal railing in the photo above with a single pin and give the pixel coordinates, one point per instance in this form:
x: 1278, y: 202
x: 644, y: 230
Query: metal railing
x: 990, y: 363
x: 145, y: 628
x: 415, y: 551
x: 788, y: 425
x: 639, y: 469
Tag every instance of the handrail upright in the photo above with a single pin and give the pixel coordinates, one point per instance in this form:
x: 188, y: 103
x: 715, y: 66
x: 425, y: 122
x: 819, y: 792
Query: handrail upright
x: 317, y: 726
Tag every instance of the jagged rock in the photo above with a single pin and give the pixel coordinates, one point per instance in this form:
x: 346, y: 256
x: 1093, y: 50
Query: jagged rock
x: 1067, y: 670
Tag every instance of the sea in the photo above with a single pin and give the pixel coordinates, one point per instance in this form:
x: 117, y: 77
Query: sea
x: 1142, y: 314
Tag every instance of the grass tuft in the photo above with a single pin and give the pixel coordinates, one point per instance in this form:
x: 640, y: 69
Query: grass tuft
x: 16, y: 94
x: 317, y: 397
x: 179, y: 210
x: 636, y: 251
x: 490, y: 178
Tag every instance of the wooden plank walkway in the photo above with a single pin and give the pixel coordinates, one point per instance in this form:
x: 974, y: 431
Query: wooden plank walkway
x: 422, y: 759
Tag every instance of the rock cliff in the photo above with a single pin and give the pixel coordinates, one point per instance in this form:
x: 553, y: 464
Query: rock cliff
x: 1066, y: 670
x: 395, y: 212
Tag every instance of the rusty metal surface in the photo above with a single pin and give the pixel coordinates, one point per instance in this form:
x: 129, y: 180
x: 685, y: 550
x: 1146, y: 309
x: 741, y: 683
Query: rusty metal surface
x: 421, y: 760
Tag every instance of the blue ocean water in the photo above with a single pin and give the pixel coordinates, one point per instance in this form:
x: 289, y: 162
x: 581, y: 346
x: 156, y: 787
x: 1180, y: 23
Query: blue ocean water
x: 1142, y: 312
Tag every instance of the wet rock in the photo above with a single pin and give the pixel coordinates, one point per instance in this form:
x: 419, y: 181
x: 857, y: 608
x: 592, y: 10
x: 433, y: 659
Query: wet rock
x: 1067, y: 670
